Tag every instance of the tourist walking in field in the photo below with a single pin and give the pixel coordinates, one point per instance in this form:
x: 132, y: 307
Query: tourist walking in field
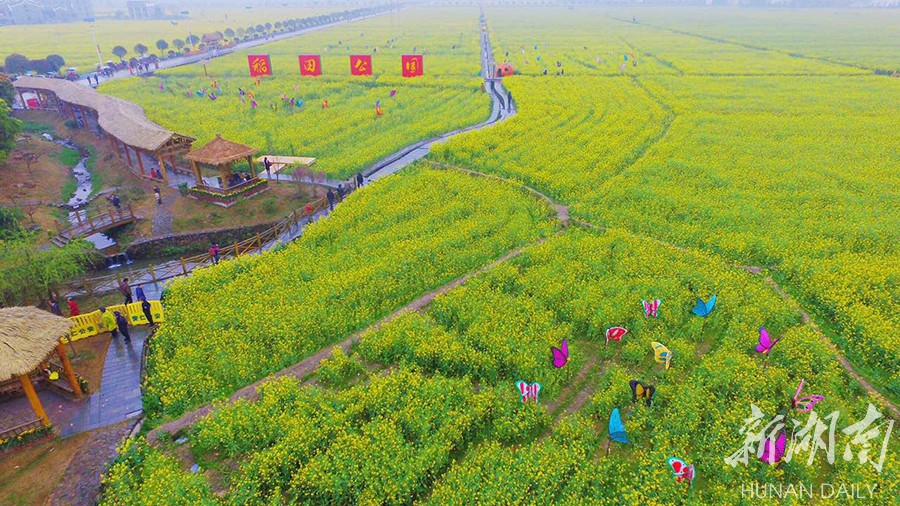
x: 116, y: 202
x: 214, y: 253
x: 340, y: 190
x: 330, y: 197
x: 109, y: 321
x: 157, y: 195
x: 145, y: 307
x: 359, y: 180
x: 268, y: 166
x: 125, y: 288
x: 122, y: 324
x: 73, y: 307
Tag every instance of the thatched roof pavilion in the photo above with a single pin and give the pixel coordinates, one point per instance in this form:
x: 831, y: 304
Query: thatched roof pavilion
x: 28, y: 336
x: 221, y: 153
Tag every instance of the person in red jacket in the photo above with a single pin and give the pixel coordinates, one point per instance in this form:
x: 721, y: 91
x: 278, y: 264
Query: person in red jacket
x: 73, y: 307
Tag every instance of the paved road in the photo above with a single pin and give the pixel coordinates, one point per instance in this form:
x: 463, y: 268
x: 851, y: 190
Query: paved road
x: 188, y: 60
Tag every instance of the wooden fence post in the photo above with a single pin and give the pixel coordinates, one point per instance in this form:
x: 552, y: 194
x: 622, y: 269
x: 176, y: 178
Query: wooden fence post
x: 87, y: 287
x: 237, y: 252
x: 258, y: 241
x: 152, y: 274
x: 183, y: 266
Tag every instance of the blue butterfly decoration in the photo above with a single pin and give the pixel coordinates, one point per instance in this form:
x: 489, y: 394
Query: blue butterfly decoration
x: 617, y: 428
x: 704, y: 308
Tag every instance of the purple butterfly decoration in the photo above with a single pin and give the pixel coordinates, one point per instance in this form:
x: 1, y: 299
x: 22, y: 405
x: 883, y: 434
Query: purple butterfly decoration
x: 393, y: 92
x: 774, y: 452
x: 560, y: 355
x: 765, y: 342
x: 807, y: 403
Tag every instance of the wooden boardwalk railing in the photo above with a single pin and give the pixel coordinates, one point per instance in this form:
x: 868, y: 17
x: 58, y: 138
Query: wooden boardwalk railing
x: 184, y: 265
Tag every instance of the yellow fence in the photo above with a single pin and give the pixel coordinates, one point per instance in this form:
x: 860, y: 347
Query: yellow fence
x: 91, y: 324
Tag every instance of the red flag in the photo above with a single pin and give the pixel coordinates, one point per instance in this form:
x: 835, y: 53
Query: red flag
x: 412, y: 65
x: 259, y: 65
x: 310, y: 65
x: 360, y: 65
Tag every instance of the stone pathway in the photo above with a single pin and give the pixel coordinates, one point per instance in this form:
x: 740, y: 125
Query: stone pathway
x: 81, y: 484
x: 119, y: 397
x: 162, y: 217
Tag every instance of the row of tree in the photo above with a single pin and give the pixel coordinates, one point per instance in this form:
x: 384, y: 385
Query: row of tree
x: 19, y: 64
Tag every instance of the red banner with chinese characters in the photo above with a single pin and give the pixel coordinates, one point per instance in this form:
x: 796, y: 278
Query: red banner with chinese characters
x: 310, y: 65
x: 360, y: 64
x: 259, y: 65
x: 412, y: 65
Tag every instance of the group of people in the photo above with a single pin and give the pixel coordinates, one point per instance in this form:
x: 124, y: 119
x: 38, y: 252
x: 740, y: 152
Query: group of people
x: 114, y: 321
x: 338, y: 195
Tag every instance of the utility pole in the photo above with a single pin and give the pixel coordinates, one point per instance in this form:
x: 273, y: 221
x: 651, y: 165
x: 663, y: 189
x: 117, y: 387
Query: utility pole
x: 99, y: 56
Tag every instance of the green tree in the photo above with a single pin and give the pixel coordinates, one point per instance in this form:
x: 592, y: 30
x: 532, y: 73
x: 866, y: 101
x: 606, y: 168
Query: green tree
x: 178, y: 43
x: 120, y: 52
x: 7, y: 91
x: 229, y: 33
x: 29, y: 274
x: 10, y: 229
x: 9, y: 128
x: 17, y: 63
x: 162, y: 45
x: 56, y: 61
x: 192, y: 40
x: 140, y: 49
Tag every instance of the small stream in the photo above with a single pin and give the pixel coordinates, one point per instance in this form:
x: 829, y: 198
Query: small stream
x: 79, y: 199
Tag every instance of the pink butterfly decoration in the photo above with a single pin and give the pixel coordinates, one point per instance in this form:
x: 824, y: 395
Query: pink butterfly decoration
x: 774, y: 452
x: 560, y: 355
x: 615, y: 333
x: 651, y: 308
x: 807, y: 403
x: 529, y: 392
x: 765, y: 343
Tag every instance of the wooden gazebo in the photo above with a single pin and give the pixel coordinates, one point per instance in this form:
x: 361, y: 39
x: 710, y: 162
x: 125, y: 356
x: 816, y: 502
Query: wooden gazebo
x: 220, y: 154
x: 28, y: 336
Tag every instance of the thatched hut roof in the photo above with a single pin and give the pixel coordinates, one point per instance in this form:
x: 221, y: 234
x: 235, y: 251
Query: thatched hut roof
x: 125, y: 120
x: 27, y: 336
x: 220, y: 151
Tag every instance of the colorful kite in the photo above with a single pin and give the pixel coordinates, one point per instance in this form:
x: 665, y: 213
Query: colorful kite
x: 704, y: 308
x: 529, y: 392
x: 681, y: 470
x: 641, y: 391
x: 662, y: 354
x: 651, y: 308
x: 807, y: 403
x: 560, y: 355
x: 773, y: 452
x: 615, y: 333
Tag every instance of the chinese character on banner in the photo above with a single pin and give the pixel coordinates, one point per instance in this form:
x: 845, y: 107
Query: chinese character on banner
x: 310, y: 65
x: 360, y: 64
x: 259, y: 65
x: 412, y: 65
